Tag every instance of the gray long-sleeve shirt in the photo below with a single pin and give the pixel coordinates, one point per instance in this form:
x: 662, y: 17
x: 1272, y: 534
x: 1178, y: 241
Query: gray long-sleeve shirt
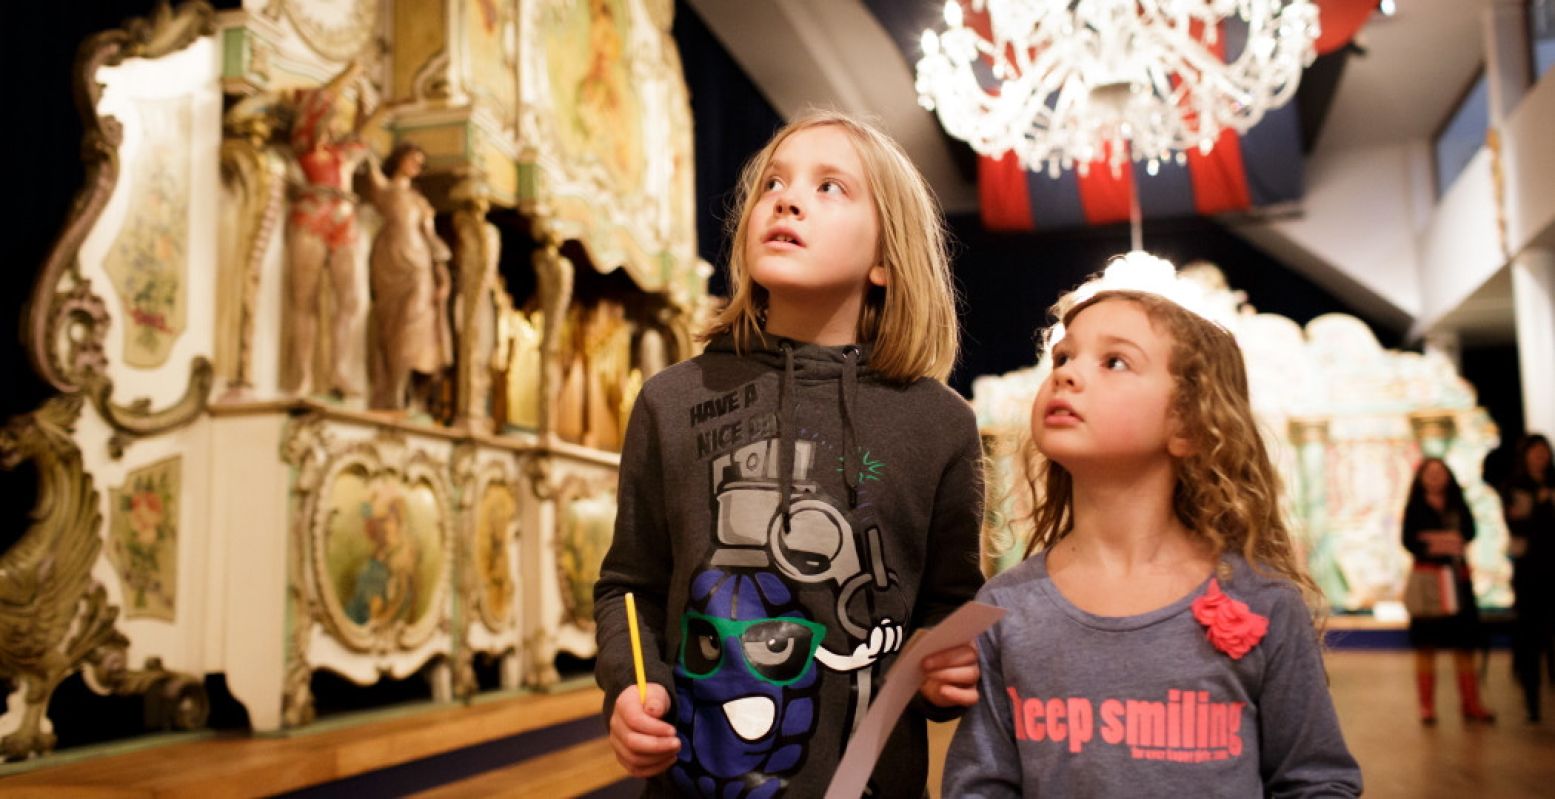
x: 1074, y: 704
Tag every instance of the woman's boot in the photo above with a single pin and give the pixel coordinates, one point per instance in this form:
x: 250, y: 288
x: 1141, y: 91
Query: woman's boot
x: 1425, y: 685
x: 1468, y: 690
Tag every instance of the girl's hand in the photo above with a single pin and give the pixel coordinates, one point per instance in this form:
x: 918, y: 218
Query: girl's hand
x: 950, y: 677
x: 643, y: 744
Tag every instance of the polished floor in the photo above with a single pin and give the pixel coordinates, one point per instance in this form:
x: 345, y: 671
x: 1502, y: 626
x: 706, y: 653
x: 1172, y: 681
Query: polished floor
x: 1374, y: 694
x: 1400, y: 759
x: 1373, y: 690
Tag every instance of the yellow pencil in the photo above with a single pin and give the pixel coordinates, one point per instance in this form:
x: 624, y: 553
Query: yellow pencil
x: 637, y: 648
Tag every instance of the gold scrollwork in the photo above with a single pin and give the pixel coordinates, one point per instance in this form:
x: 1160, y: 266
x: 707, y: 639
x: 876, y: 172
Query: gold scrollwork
x: 305, y: 447
x: 493, y: 528
x: 585, y: 525
x: 54, y: 618
x: 137, y: 419
x: 249, y: 168
x: 431, y: 79
x: 537, y: 471
x: 71, y: 317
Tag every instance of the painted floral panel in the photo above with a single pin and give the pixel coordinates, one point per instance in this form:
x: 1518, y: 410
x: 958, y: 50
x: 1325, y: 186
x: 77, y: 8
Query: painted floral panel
x: 143, y: 545
x: 148, y: 259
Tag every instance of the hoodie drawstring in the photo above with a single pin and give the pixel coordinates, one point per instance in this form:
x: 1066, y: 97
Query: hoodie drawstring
x: 851, y: 465
x: 787, y: 436
x: 788, y: 433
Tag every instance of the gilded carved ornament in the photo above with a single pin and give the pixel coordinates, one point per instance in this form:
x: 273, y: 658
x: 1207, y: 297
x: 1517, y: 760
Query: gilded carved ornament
x: 304, y: 448
x: 431, y: 80
x: 256, y: 175
x: 54, y: 618
x: 65, y: 320
x: 491, y: 528
x: 585, y: 523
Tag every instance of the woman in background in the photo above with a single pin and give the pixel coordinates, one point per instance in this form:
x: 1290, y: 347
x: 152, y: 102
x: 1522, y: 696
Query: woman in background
x: 1529, y: 500
x: 1437, y: 529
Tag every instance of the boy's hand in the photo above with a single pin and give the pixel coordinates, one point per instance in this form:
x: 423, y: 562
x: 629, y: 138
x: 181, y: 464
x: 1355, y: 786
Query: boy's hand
x: 950, y: 677
x: 643, y: 744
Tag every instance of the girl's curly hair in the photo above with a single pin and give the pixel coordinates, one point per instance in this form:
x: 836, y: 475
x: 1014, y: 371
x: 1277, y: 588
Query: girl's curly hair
x: 1227, y: 492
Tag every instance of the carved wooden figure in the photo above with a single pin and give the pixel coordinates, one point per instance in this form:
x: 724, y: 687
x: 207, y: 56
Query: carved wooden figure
x: 320, y: 236
x: 410, y: 286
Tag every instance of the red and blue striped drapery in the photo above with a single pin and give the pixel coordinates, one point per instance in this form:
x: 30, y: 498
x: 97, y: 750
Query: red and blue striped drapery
x: 1260, y: 168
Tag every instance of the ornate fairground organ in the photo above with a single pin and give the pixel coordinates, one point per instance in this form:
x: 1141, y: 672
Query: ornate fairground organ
x: 344, y: 329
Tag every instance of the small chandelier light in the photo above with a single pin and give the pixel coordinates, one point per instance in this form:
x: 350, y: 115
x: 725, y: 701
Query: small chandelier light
x: 1064, y: 83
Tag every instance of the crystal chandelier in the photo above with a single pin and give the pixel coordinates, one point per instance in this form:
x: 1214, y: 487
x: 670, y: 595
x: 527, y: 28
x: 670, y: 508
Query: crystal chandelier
x: 1065, y: 83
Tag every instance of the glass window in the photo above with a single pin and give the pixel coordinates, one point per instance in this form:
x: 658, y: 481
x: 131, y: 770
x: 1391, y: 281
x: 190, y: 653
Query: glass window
x: 1541, y: 35
x: 1463, y: 135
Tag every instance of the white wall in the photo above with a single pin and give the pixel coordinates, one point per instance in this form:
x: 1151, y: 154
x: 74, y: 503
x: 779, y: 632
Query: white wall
x: 1529, y: 147
x: 1359, y: 217
x: 1460, y: 247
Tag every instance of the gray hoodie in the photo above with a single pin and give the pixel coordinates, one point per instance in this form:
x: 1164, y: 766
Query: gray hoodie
x: 787, y: 517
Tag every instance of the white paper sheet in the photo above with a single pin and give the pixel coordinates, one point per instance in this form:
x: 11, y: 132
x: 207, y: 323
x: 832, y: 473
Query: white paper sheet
x: 903, y: 680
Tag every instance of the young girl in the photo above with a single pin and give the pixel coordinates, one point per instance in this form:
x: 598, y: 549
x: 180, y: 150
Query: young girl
x: 799, y: 499
x: 1159, y: 641
x: 1437, y: 526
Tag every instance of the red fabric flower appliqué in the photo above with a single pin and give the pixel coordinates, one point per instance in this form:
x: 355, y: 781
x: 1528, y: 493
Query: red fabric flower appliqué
x: 1232, y: 626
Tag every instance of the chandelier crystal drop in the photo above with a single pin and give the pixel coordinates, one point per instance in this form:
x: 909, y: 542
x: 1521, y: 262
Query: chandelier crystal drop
x: 1065, y: 83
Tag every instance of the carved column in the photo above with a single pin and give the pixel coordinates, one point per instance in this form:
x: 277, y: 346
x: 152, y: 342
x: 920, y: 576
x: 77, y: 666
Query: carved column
x: 1434, y: 430
x: 465, y: 583
x: 254, y: 176
x: 477, y: 246
x: 1310, y: 494
x: 554, y: 274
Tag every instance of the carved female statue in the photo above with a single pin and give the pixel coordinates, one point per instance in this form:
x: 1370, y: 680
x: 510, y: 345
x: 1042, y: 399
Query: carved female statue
x: 320, y: 236
x: 410, y: 285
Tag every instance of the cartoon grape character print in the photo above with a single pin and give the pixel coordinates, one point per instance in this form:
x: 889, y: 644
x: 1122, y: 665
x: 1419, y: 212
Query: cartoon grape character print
x: 746, y: 685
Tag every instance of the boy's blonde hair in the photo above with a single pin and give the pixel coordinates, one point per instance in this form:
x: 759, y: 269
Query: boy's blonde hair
x: 1227, y: 492
x: 912, y: 319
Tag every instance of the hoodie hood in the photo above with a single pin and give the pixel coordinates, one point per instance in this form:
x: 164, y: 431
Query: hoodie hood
x: 809, y: 363
x: 812, y: 362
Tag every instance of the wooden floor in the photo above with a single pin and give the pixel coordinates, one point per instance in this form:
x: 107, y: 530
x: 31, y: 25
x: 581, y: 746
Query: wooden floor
x: 1374, y: 692
x: 1375, y: 695
x: 325, y: 753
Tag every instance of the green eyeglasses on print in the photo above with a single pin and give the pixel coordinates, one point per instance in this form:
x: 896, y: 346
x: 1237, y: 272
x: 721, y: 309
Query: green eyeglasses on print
x: 777, y: 650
